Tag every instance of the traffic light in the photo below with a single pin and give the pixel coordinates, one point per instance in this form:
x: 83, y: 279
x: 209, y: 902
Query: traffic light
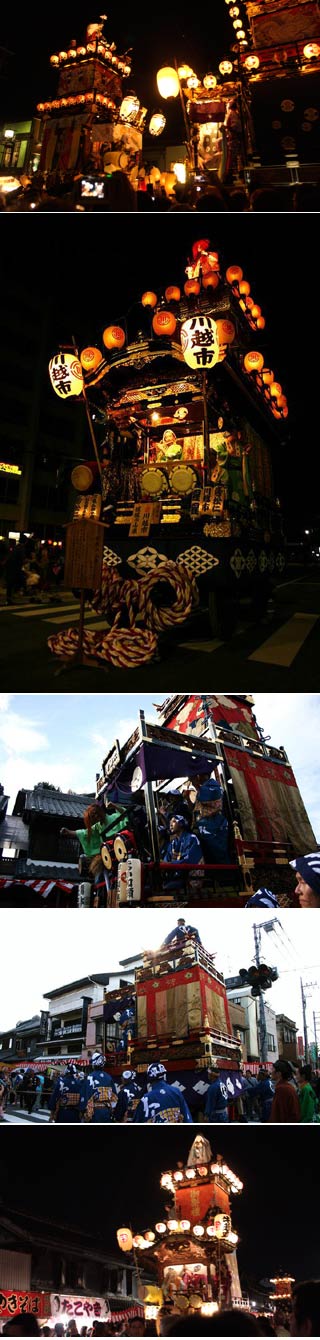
x: 260, y: 977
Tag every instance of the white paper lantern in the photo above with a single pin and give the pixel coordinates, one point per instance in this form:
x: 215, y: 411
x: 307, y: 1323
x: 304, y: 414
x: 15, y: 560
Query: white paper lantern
x: 200, y: 342
x: 66, y: 376
x: 157, y: 123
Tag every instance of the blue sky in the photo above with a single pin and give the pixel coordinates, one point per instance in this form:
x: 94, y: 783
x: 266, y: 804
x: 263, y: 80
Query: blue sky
x: 63, y: 738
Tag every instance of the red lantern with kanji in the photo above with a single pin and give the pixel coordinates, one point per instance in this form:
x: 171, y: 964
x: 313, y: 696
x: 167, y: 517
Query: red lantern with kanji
x: 149, y: 299
x: 164, y: 322
x: 226, y: 331
x: 191, y: 286
x: 114, y: 337
x: 253, y: 361
x: 173, y: 294
x: 211, y: 280
x: 234, y: 274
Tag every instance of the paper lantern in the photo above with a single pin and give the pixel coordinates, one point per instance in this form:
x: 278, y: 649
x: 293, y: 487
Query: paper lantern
x: 82, y: 478
x: 185, y: 1225
x: 209, y: 81
x: 168, y: 82
x: 191, y: 286
x: 311, y: 51
x: 261, y: 323
x: 251, y: 63
x: 255, y: 311
x: 198, y: 1230
x: 125, y: 1239
x: 157, y: 123
x: 149, y: 299
x: 226, y: 67
x: 164, y: 323
x: 173, y: 294
x: 65, y: 374
x: 90, y: 359
x: 253, y: 361
x: 222, y: 1223
x: 54, y: 60
x: 276, y: 390
x: 282, y: 402
x: 267, y: 376
x: 161, y: 1228
x: 211, y: 280
x: 234, y: 274
x: 199, y: 342
x: 244, y: 288
x: 129, y: 109
x: 114, y: 337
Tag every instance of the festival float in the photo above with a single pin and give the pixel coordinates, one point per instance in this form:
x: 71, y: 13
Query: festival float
x: 281, y: 69
x: 218, y: 128
x: 161, y: 768
x: 177, y: 1012
x: 91, y: 127
x: 192, y: 1250
x: 178, y: 507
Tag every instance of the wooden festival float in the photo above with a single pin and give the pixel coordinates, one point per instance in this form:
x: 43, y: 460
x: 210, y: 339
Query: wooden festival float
x: 192, y: 1249
x: 190, y: 417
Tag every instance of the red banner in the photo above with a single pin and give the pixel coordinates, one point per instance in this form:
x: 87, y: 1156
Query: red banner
x: 13, y: 1301
x: 269, y: 801
x: 224, y: 710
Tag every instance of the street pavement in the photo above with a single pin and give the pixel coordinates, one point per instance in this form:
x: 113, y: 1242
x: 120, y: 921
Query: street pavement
x: 15, y: 1116
x: 281, y: 651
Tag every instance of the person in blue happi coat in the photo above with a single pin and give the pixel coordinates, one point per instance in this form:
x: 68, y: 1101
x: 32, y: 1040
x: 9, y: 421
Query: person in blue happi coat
x: 65, y: 1101
x: 99, y: 1091
x: 265, y: 1091
x: 211, y: 824
x: 180, y: 932
x: 183, y: 845
x: 163, y: 1103
x: 218, y: 1099
x: 129, y: 1097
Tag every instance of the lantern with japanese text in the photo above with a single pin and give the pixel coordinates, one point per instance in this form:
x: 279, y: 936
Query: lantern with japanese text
x: 114, y: 337
x: 211, y: 280
x: 125, y: 1239
x: 65, y: 374
x: 226, y: 331
x: 149, y: 299
x: 163, y: 322
x: 90, y: 359
x: 199, y: 342
x: 191, y: 286
x: 234, y: 274
x: 173, y: 294
x: 253, y: 361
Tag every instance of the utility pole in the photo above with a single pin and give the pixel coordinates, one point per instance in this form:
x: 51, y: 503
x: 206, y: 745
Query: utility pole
x: 262, y: 1026
x: 306, y: 986
x: 315, y: 1037
x: 305, y: 1030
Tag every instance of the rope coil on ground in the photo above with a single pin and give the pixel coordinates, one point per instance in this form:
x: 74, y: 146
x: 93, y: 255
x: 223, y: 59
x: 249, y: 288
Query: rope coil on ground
x: 131, y: 646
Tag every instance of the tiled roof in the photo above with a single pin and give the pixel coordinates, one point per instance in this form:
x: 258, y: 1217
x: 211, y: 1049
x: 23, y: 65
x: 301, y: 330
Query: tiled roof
x: 57, y: 803
x: 52, y: 870
x: 13, y: 830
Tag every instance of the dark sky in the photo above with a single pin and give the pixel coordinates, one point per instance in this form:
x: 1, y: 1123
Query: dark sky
x: 170, y: 30
x: 94, y: 268
x: 102, y: 1180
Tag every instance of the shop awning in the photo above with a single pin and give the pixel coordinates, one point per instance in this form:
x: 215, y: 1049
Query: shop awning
x: 41, y: 886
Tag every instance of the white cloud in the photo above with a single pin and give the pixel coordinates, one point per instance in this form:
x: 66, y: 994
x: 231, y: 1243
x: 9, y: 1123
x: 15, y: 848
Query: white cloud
x: 5, y: 699
x: 18, y: 734
x: 122, y: 730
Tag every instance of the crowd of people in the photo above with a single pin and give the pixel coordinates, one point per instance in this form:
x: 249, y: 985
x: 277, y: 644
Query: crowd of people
x: 289, y: 1093
x: 300, y: 1318
x: 30, y: 568
x: 205, y: 194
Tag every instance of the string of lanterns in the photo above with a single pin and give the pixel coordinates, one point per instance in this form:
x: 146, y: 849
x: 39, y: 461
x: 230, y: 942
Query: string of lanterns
x: 204, y: 337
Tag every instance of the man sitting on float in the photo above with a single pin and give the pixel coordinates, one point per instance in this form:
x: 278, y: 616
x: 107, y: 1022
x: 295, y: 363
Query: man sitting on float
x: 183, y: 845
x: 211, y: 824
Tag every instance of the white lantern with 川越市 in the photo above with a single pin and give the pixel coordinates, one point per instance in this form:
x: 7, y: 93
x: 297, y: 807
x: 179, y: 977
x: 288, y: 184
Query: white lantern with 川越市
x: 125, y: 1239
x: 65, y: 374
x: 199, y: 342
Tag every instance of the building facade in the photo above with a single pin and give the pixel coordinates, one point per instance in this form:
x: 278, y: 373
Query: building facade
x: 287, y: 1038
x: 241, y: 996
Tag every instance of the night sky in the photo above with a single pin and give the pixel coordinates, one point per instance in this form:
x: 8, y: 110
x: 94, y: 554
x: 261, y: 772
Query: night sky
x: 98, y: 267
x: 110, y: 1178
x: 169, y: 32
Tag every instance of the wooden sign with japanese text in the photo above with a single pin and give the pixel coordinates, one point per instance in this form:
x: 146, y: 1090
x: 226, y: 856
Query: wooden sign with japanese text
x: 84, y: 554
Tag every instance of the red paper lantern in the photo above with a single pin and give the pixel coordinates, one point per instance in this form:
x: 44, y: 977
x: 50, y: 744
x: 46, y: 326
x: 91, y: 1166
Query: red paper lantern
x: 234, y: 274
x: 164, y: 323
x: 211, y: 280
x: 114, y: 337
x: 173, y: 294
x: 191, y: 286
x: 253, y: 361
